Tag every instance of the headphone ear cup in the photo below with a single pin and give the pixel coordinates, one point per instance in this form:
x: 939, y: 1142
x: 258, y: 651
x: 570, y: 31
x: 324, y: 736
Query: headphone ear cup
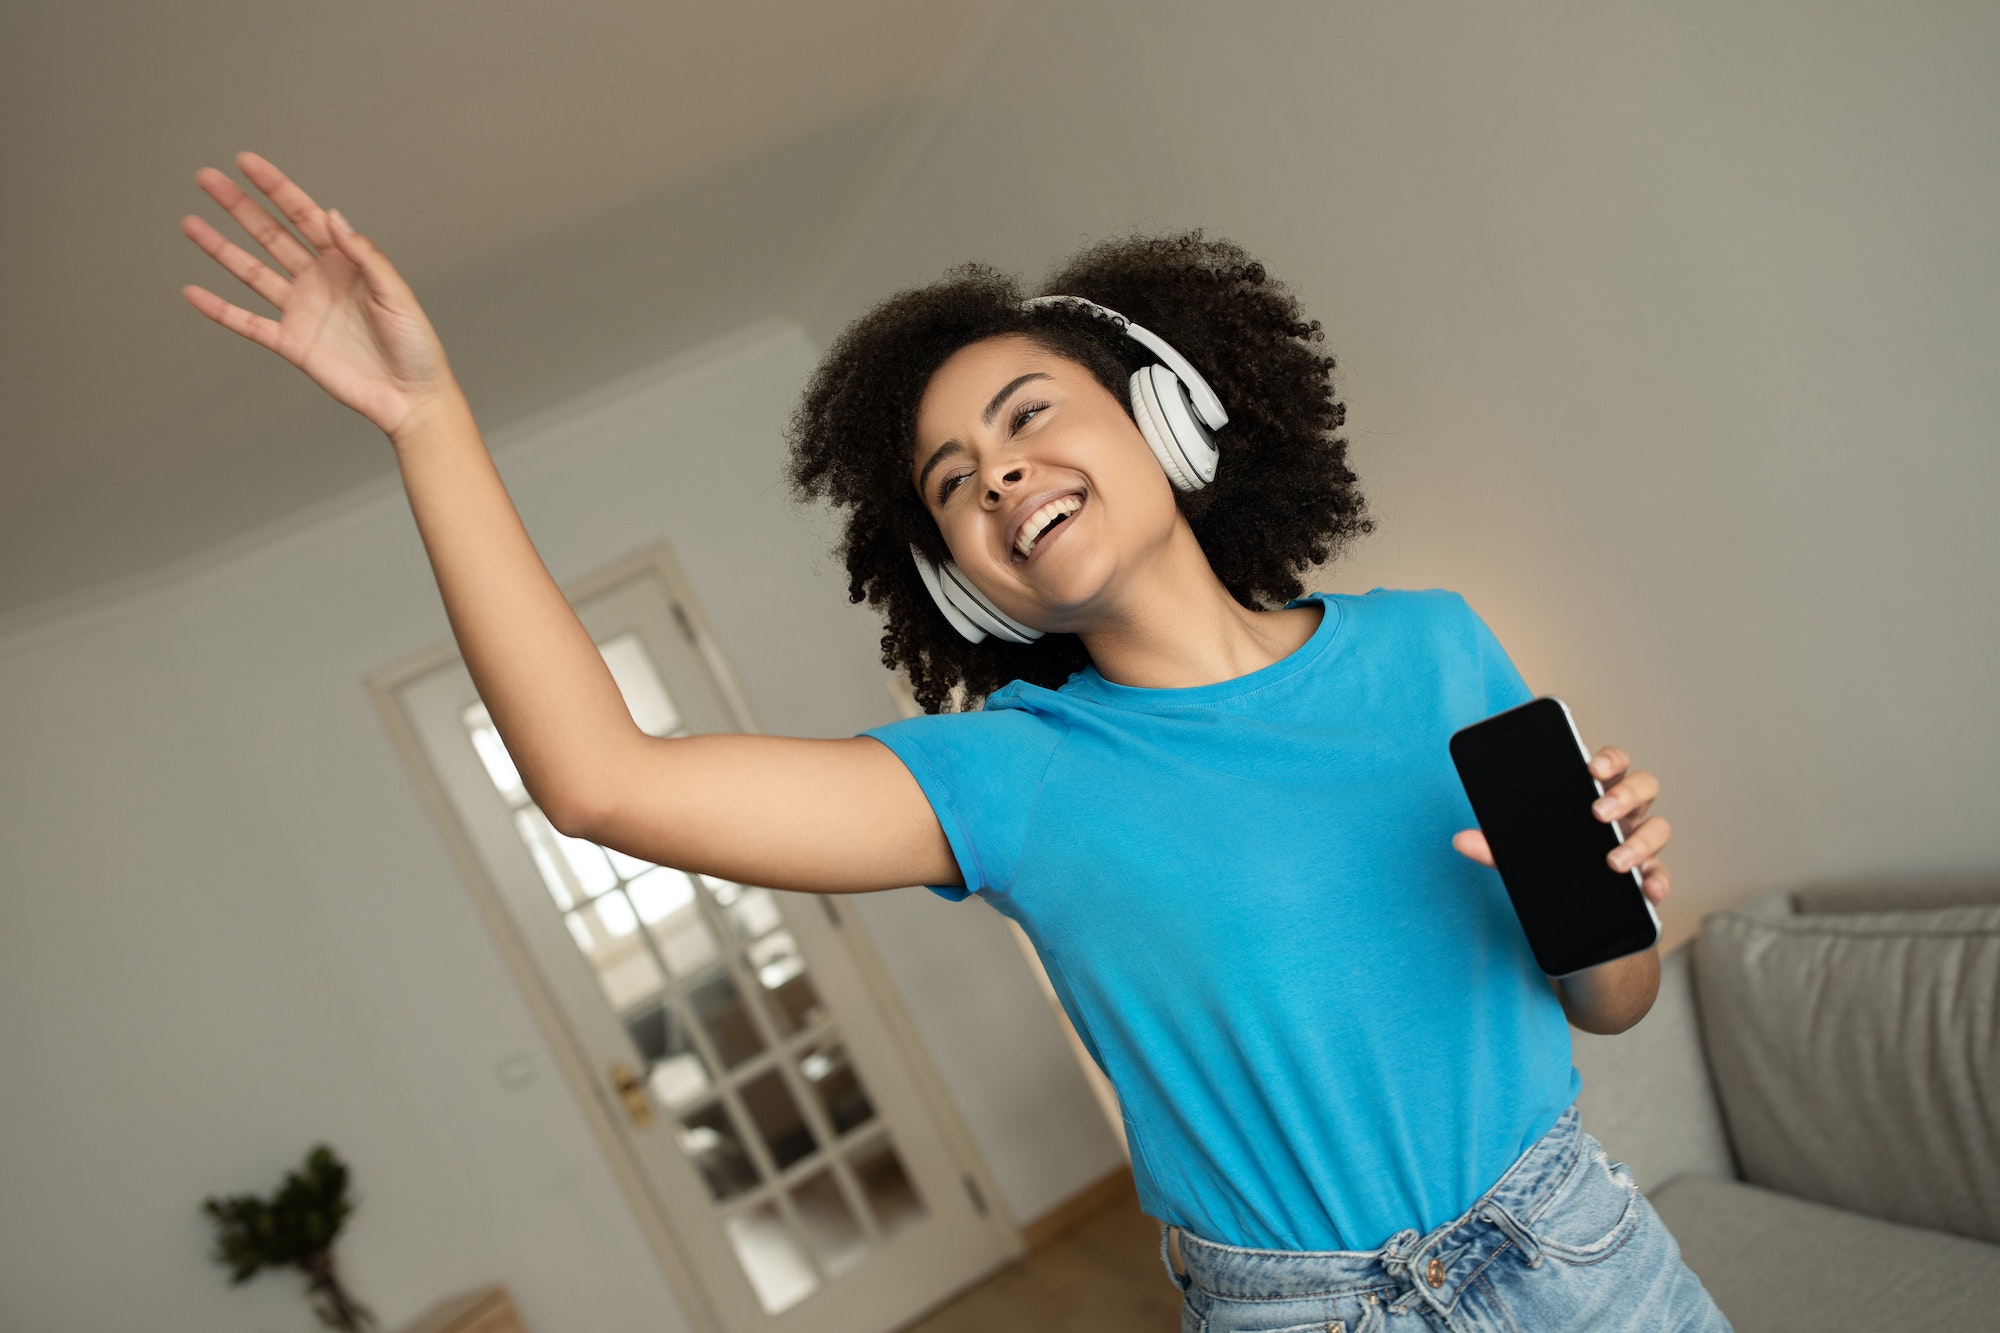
x: 927, y: 570
x: 979, y: 608
x: 1146, y: 415
x: 969, y: 610
x: 1161, y: 408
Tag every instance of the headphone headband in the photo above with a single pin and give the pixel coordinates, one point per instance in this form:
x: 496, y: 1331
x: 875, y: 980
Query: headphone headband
x: 1206, y: 405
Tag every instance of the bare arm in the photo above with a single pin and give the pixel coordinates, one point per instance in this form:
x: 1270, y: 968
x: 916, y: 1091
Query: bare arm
x: 550, y: 694
x: 826, y: 816
x: 821, y: 816
x: 1612, y: 996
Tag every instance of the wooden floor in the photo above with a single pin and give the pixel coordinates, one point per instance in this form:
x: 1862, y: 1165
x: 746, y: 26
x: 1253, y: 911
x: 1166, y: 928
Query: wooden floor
x: 1102, y: 1275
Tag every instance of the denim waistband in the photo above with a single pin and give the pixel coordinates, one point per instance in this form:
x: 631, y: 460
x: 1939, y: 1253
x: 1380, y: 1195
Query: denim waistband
x: 1432, y: 1266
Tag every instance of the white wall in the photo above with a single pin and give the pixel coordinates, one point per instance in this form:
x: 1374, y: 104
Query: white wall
x: 229, y: 929
x: 1668, y: 333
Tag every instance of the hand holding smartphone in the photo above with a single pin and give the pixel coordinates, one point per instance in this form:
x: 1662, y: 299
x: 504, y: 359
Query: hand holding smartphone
x: 1526, y: 772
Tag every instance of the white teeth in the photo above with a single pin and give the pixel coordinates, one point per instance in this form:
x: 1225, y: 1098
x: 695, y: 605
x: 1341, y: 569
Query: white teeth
x: 1039, y: 521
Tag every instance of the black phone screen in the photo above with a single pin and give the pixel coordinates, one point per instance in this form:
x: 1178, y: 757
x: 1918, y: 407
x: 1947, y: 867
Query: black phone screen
x: 1525, y: 772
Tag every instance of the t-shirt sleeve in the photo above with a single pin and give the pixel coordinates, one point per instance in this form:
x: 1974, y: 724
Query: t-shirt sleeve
x: 1502, y: 683
x: 982, y: 773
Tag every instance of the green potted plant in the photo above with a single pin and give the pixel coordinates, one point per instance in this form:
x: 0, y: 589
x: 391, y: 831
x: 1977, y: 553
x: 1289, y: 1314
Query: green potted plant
x: 294, y: 1228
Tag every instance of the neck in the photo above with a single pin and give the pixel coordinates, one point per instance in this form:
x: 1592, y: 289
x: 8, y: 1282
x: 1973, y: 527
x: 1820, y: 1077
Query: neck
x: 1176, y: 626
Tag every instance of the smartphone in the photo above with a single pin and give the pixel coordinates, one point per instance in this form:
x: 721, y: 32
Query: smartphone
x: 1527, y: 774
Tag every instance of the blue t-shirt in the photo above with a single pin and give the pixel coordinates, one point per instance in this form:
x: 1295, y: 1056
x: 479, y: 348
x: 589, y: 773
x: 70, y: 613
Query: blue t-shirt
x: 1323, y: 1022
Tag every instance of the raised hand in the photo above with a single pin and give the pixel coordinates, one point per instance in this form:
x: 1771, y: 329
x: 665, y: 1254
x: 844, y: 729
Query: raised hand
x: 346, y: 317
x: 1626, y: 804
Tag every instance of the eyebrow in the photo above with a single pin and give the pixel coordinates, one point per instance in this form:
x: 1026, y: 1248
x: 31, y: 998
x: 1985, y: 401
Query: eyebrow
x: 948, y: 447
x: 994, y: 407
x: 986, y: 417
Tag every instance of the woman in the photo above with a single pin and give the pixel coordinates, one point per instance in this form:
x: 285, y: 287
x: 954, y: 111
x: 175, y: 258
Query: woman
x: 1348, y: 1090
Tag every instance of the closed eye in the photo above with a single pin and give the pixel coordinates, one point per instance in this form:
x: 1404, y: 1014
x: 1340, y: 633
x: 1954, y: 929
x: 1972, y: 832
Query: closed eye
x: 1023, y: 414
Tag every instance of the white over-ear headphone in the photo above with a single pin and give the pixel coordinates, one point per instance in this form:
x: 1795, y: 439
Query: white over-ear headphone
x: 1175, y: 410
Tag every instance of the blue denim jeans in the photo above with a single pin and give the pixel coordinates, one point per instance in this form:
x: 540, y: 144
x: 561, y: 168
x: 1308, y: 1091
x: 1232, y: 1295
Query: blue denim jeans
x: 1564, y: 1240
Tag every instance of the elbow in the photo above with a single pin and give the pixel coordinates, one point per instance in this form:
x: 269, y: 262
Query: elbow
x: 582, y: 795
x: 572, y: 816
x: 1606, y: 1025
x: 1610, y: 1019
x: 1612, y: 999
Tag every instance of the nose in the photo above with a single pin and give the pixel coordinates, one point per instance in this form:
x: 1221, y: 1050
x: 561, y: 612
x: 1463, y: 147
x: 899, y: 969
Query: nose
x: 1001, y: 477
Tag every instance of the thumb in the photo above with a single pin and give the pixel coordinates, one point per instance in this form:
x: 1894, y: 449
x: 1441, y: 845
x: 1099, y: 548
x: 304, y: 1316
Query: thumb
x: 405, y: 335
x: 376, y: 270
x: 1472, y: 843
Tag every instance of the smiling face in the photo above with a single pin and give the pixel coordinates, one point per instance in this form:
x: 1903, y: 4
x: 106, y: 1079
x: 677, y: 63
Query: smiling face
x: 1041, y: 483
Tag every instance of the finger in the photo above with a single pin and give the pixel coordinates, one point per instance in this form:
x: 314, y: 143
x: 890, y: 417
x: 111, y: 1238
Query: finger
x: 292, y: 201
x: 256, y: 220
x: 376, y: 270
x: 1471, y: 842
x: 1609, y: 764
x: 1643, y: 845
x: 258, y: 277
x: 1631, y: 797
x: 1655, y: 882
x: 258, y: 329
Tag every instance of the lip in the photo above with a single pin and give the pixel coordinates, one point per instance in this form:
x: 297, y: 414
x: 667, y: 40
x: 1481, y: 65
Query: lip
x: 1029, y: 506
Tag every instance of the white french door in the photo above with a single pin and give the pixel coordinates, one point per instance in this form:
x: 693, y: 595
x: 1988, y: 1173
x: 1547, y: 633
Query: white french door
x: 746, y: 1059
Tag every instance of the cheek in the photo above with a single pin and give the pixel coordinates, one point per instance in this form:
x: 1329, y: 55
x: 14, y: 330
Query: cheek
x: 1122, y: 452
x: 964, y: 535
x: 1145, y: 481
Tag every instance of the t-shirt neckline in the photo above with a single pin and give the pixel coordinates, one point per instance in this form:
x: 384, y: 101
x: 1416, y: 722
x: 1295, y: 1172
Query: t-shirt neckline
x: 1087, y: 683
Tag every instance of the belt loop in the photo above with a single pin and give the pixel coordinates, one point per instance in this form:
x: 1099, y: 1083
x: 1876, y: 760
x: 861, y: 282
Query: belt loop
x: 1170, y: 1255
x: 1498, y: 1214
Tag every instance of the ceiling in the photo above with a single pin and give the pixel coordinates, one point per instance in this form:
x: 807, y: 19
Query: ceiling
x: 576, y: 191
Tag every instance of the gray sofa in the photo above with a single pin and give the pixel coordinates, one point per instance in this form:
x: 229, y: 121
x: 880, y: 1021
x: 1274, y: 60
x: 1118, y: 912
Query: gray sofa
x: 1813, y: 1106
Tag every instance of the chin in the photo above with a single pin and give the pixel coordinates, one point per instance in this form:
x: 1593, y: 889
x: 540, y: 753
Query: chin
x: 1066, y: 608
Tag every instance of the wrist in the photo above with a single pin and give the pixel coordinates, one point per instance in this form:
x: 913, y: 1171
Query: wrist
x: 436, y: 411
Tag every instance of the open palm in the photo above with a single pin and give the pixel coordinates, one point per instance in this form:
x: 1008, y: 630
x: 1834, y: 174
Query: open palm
x: 346, y: 317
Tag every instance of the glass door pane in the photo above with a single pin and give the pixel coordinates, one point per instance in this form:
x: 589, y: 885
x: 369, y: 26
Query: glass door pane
x: 717, y: 998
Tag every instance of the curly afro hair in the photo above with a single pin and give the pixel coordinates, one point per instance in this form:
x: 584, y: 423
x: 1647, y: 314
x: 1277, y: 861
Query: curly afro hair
x: 1283, y: 498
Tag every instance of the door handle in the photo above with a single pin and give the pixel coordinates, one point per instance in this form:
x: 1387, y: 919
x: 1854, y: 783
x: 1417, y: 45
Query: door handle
x: 632, y: 1091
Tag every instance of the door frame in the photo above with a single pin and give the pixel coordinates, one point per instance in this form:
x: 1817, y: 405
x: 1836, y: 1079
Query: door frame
x: 564, y: 1045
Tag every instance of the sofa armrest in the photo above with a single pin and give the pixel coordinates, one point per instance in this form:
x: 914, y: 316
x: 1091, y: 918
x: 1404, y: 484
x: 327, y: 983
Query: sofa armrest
x: 1647, y: 1094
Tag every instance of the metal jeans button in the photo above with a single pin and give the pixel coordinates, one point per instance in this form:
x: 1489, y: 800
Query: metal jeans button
x: 1434, y: 1272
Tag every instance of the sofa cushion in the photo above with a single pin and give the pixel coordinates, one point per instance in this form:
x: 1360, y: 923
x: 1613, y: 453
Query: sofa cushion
x: 1775, y: 1264
x: 1857, y: 1057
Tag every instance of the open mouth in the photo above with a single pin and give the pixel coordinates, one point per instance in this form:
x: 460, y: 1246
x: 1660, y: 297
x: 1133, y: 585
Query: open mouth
x: 1040, y: 526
